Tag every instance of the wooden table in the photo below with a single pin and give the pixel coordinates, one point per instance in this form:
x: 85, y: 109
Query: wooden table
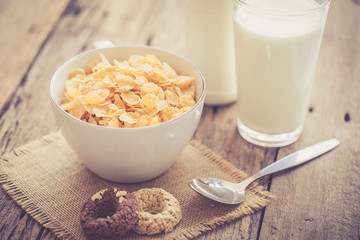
x: 319, y: 200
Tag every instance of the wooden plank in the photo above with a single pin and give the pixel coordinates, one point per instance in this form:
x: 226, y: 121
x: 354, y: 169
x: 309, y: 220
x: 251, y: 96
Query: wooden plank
x: 24, y: 27
x: 320, y: 200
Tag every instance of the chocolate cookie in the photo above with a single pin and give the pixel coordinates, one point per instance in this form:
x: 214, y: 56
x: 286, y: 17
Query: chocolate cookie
x: 110, y: 213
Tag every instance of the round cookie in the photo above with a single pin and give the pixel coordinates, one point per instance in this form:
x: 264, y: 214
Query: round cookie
x: 159, y: 211
x: 108, y: 214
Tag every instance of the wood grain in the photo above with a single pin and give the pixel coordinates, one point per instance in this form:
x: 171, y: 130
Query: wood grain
x: 25, y: 25
x: 319, y: 200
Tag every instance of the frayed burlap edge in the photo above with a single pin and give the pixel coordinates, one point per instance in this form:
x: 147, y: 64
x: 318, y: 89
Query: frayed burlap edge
x: 263, y: 201
x: 21, y: 197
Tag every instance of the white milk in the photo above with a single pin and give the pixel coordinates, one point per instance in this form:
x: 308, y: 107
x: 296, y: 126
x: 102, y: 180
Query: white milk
x: 209, y: 43
x: 275, y: 62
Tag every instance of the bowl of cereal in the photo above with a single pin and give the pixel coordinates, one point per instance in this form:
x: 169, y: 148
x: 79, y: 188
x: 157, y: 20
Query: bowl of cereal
x: 127, y: 111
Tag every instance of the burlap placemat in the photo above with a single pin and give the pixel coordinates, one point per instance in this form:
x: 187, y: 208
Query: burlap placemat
x: 49, y: 182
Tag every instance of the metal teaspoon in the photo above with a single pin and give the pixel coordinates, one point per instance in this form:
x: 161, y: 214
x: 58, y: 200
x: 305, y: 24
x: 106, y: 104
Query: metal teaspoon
x: 234, y: 193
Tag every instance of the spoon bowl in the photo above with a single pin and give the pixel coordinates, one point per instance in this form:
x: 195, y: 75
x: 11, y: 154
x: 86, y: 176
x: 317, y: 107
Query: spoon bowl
x: 234, y: 193
x: 218, y: 190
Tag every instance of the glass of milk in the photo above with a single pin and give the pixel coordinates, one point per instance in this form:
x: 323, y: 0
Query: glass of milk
x: 276, y: 48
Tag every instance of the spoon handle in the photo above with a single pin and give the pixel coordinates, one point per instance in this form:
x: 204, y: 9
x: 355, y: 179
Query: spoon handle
x: 292, y: 160
x: 300, y: 157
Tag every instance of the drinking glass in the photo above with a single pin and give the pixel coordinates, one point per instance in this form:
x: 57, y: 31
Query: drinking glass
x: 277, y: 44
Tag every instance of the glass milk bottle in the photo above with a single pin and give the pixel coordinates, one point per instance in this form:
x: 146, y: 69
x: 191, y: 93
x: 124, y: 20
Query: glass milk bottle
x: 209, y: 45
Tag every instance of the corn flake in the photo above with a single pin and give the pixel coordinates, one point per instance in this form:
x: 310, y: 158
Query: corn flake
x: 129, y: 117
x: 130, y: 98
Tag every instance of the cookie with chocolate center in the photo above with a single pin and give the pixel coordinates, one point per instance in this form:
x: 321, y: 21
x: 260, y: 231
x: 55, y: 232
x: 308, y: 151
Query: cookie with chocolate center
x: 109, y: 214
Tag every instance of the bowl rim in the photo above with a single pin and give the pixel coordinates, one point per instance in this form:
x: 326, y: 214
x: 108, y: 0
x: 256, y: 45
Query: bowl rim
x: 198, y: 102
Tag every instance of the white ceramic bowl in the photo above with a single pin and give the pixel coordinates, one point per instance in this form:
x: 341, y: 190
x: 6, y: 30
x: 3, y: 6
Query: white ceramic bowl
x: 127, y: 155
